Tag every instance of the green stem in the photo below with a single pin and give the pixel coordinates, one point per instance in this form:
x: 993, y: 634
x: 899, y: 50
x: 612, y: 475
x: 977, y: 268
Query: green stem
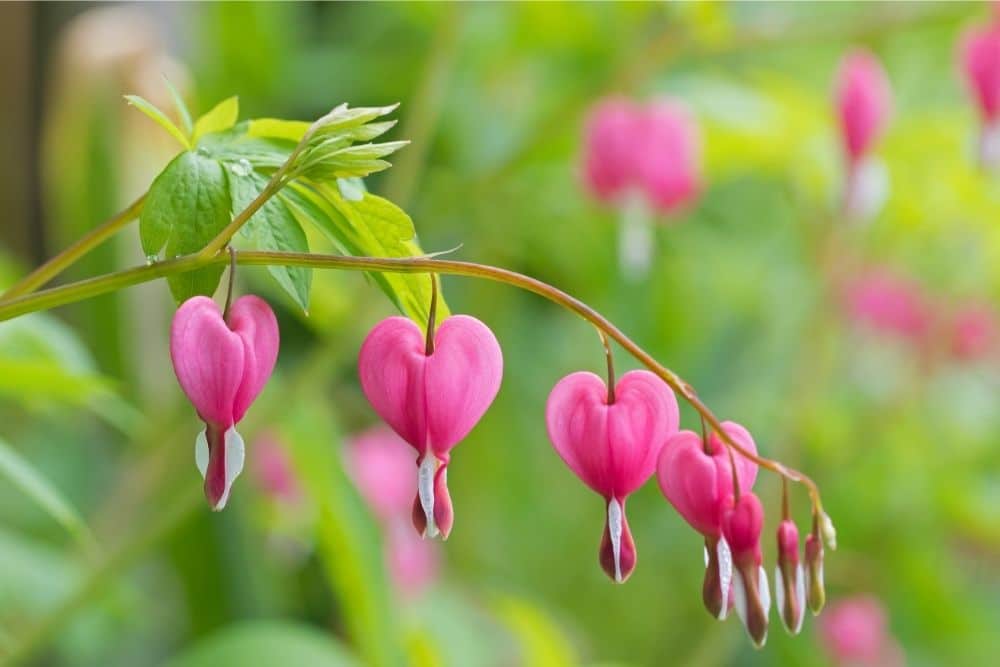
x: 70, y: 255
x: 74, y: 292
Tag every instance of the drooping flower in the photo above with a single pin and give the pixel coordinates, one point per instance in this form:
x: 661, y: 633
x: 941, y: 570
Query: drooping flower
x: 222, y: 365
x: 611, y: 442
x: 742, y: 522
x: 432, y: 399
x: 273, y: 470
x: 853, y: 631
x: 979, y: 53
x: 863, y: 101
x: 975, y: 332
x: 890, y: 304
x: 381, y: 465
x: 609, y: 148
x: 789, y: 578
x: 696, y: 476
x: 668, y: 158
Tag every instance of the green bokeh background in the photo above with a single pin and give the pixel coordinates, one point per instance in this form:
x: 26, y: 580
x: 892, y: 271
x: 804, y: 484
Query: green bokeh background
x: 493, y: 97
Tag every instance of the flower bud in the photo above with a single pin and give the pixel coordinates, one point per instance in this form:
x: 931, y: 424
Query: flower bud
x: 742, y: 522
x: 816, y: 593
x: 716, y: 589
x: 789, y: 579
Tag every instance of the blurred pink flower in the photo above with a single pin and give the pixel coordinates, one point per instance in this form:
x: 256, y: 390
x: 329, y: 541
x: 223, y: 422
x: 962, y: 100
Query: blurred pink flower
x: 412, y: 561
x: 381, y: 465
x: 863, y: 100
x: 853, y: 631
x: 974, y: 332
x: 611, y: 140
x: 890, y: 304
x: 979, y: 55
x: 668, y: 164
x: 273, y: 470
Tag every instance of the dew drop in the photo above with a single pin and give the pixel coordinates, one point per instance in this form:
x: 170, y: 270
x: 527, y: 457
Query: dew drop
x: 150, y: 260
x: 202, y: 151
x: 241, y: 168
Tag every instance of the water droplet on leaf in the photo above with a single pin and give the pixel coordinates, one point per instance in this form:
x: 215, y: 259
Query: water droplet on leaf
x: 241, y: 168
x: 150, y: 260
x: 202, y: 151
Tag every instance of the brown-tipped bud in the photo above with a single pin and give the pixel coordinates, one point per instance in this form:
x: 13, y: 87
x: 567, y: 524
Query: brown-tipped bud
x: 617, y: 554
x: 715, y: 592
x: 741, y: 526
x: 789, y: 579
x: 816, y: 593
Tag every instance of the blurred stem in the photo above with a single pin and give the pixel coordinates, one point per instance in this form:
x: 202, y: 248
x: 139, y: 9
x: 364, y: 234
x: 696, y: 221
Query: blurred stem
x: 425, y: 107
x: 85, y: 289
x: 70, y: 255
x: 95, y: 584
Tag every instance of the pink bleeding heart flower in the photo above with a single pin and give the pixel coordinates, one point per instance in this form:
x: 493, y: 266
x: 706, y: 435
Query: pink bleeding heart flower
x: 696, y: 477
x: 863, y: 102
x: 273, y: 470
x: 742, y: 522
x: 612, y: 445
x: 222, y: 365
x: 668, y: 157
x: 975, y: 331
x: 431, y: 400
x: 413, y: 563
x: 854, y: 632
x: 789, y: 578
x: 979, y: 55
x: 890, y: 304
x: 609, y: 148
x: 381, y: 465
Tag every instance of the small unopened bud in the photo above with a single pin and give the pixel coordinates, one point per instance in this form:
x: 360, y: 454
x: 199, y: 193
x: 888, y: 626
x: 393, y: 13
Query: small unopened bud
x: 827, y: 530
x: 741, y: 526
x: 816, y: 593
x: 789, y: 579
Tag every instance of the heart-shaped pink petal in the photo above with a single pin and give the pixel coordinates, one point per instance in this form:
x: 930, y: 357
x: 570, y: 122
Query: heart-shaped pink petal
x: 208, y: 359
x: 612, y: 448
x: 698, y: 484
x: 253, y: 321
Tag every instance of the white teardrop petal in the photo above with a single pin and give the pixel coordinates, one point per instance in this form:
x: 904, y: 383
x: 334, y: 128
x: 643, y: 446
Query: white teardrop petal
x: 201, y: 453
x: 779, y: 596
x: 725, y: 574
x: 615, y: 528
x: 764, y: 590
x: 739, y: 597
x: 235, y: 455
x: 425, y: 489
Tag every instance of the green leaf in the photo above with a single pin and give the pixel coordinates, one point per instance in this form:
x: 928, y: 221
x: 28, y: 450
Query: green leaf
x: 275, y: 128
x: 236, y: 143
x: 222, y: 117
x: 187, y: 206
x: 160, y: 118
x: 371, y: 226
x: 272, y: 227
x: 181, y: 107
x: 35, y: 486
x: 267, y: 643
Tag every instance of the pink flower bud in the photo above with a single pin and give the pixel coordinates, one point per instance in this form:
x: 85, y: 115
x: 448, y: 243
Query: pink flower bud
x: 742, y: 522
x: 863, y: 101
x: 613, y: 447
x: 890, y: 304
x: 222, y: 366
x: 979, y: 53
x: 611, y: 140
x: 698, y: 484
x: 853, y: 631
x: 432, y: 401
x: 668, y: 157
x: 789, y: 579
x: 815, y: 587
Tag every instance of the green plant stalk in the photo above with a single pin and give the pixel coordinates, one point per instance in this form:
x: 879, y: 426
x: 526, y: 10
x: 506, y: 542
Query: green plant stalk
x: 70, y: 255
x: 85, y: 289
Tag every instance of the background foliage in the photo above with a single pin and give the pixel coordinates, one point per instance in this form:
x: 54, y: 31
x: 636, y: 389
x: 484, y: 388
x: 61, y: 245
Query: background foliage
x: 107, y: 554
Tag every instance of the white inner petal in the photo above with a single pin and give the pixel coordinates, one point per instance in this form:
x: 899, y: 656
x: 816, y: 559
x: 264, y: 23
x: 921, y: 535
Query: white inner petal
x: 235, y: 454
x: 615, y: 530
x: 779, y: 596
x: 800, y: 596
x: 989, y: 145
x: 201, y: 453
x: 739, y: 597
x: 764, y: 590
x: 425, y: 488
x: 725, y: 574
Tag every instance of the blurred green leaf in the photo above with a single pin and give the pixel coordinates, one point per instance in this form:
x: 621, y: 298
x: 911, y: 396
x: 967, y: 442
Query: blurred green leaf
x: 371, y: 226
x: 540, y: 640
x: 181, y: 106
x: 272, y: 227
x: 222, y: 117
x: 187, y: 206
x: 267, y: 643
x: 275, y: 128
x: 160, y: 118
x: 21, y: 473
